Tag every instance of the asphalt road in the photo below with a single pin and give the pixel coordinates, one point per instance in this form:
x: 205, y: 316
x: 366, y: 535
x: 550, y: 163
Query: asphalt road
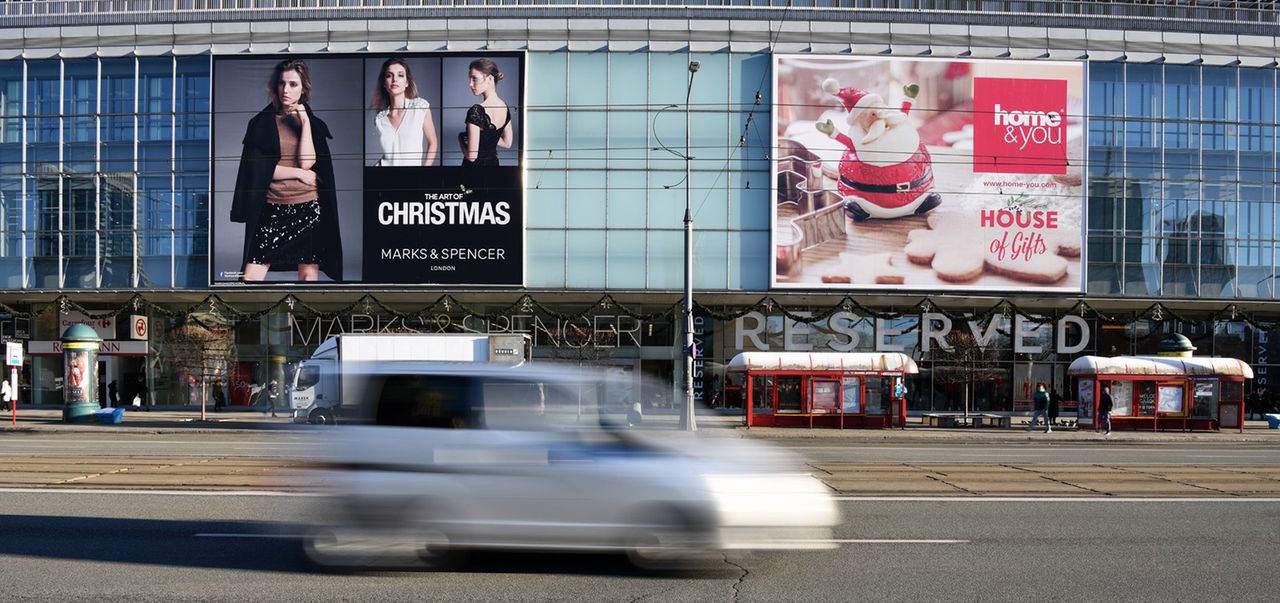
x: 159, y: 547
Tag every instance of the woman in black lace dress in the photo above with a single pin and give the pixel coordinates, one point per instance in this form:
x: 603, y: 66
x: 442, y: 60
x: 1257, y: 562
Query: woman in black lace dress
x: 483, y: 135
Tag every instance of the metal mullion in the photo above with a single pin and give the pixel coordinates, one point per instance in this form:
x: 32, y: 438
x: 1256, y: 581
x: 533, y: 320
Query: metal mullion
x: 136, y: 263
x: 97, y: 178
x: 62, y: 210
x: 25, y: 177
x: 173, y: 152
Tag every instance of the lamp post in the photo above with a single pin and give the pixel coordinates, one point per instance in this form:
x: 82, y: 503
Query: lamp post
x: 688, y: 422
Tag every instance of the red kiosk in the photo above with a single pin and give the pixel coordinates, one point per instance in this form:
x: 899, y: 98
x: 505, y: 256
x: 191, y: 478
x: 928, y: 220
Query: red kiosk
x: 1163, y: 392
x: 801, y: 389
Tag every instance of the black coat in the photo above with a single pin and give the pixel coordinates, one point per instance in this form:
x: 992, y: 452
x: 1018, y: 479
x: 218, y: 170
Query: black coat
x: 258, y: 163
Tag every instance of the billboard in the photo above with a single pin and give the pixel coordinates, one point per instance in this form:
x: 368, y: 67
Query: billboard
x: 387, y: 169
x: 928, y: 174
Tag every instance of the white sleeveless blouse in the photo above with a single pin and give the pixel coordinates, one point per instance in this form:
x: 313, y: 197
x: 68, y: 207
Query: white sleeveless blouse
x: 403, y: 146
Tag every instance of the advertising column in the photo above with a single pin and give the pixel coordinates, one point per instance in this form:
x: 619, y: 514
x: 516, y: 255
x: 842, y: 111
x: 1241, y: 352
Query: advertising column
x: 929, y: 174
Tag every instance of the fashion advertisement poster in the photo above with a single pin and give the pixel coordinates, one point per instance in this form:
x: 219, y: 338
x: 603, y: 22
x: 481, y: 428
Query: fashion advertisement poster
x: 368, y: 169
x: 80, y: 373
x: 928, y: 174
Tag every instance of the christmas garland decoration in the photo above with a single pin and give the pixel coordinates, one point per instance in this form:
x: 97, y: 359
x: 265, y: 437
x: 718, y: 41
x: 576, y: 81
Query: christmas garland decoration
x: 213, y: 309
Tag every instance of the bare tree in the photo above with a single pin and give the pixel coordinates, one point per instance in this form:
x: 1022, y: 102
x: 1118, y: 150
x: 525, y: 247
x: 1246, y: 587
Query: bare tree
x: 203, y: 347
x: 966, y: 362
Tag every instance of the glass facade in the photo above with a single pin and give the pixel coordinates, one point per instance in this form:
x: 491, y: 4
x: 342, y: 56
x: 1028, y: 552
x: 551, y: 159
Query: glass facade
x: 104, y: 174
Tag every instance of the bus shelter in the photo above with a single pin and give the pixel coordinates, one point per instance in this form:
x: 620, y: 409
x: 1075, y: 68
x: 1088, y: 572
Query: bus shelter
x: 800, y: 389
x: 1160, y: 392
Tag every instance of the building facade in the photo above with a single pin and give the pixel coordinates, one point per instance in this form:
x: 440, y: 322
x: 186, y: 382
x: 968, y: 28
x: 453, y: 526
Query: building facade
x: 110, y: 159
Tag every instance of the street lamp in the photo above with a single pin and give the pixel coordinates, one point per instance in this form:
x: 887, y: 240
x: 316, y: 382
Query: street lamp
x: 688, y: 422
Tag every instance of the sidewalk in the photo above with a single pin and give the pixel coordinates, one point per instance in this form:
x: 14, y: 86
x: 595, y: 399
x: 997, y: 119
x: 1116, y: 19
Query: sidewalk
x: 49, y: 420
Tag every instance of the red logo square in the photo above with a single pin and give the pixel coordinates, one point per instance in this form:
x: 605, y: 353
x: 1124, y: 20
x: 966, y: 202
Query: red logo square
x: 1019, y: 125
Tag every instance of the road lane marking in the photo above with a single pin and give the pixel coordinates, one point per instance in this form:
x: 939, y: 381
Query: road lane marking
x: 1065, y: 499
x: 61, y: 490
x: 229, y: 535
x: 885, y: 541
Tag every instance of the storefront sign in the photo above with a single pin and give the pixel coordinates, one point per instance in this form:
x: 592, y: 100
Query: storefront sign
x: 599, y: 331
x: 430, y: 194
x: 928, y: 174
x: 107, y: 348
x: 841, y: 333
x: 138, y: 327
x: 105, y: 327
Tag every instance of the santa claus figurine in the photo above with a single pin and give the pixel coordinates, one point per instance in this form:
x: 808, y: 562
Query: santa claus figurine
x: 886, y: 172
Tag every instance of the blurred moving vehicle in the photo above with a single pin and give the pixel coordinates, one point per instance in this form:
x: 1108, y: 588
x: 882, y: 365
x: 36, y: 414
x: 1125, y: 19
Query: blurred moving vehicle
x: 463, y: 456
x: 318, y: 390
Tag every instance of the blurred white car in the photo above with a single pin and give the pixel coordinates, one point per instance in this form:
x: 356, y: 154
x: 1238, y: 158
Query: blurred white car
x: 461, y: 457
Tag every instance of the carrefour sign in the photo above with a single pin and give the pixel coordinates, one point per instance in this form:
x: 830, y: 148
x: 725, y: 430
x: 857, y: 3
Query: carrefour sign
x: 105, y: 327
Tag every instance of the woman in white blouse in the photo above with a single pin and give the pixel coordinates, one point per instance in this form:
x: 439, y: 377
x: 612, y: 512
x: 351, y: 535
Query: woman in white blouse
x: 403, y: 120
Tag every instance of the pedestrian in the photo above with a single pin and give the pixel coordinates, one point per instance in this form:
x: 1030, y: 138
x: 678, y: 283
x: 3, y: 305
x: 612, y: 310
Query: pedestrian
x: 635, y: 413
x: 1104, y: 409
x: 219, y: 397
x: 1055, y: 404
x: 140, y: 396
x: 6, y: 394
x: 1040, y: 409
x: 113, y: 394
x: 273, y: 393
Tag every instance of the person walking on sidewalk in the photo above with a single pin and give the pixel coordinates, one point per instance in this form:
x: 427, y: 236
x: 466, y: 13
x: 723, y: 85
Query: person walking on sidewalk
x: 273, y: 393
x: 1055, y: 405
x: 6, y: 394
x: 1040, y: 405
x: 1104, y: 409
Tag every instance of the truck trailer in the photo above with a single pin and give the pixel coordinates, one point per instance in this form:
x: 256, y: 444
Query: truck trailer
x: 317, y: 393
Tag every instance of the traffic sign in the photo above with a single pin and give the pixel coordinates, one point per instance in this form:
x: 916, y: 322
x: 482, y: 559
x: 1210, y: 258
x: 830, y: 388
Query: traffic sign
x: 138, y: 327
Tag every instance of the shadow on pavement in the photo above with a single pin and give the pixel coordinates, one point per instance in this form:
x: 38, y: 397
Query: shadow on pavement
x: 266, y: 546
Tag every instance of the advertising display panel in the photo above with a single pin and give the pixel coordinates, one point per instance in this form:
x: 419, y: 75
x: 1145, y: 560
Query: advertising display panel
x: 928, y: 174
x: 391, y: 169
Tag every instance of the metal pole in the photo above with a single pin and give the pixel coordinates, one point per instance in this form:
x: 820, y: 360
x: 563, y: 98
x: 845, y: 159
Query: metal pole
x: 688, y: 421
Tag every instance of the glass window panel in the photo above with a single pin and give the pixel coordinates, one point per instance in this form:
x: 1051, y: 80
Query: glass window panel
x: 546, y: 198
x: 193, y: 98
x: 710, y: 259
x: 80, y: 94
x: 666, y: 205
x: 709, y: 200
x: 156, y: 251
x: 749, y: 254
x: 546, y: 258
x: 585, y: 253
x: 626, y: 259
x: 587, y: 140
x: 586, y: 201
x: 115, y: 249
x: 1106, y: 92
x: 155, y: 98
x: 1143, y: 96
x: 79, y: 251
x: 749, y: 200
x: 1257, y: 109
x: 626, y: 203
x: 192, y: 201
x: 155, y: 202
x: 1182, y: 106
x: 43, y: 249
x: 587, y: 71
x: 708, y: 104
x: 1219, y: 113
x: 750, y: 76
x: 628, y: 138
x: 192, y: 271
x: 666, y: 259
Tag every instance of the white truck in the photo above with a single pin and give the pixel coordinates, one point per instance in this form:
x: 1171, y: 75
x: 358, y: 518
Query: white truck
x: 317, y: 392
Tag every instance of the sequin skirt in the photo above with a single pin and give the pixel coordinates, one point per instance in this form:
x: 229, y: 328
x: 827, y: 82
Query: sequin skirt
x: 286, y: 234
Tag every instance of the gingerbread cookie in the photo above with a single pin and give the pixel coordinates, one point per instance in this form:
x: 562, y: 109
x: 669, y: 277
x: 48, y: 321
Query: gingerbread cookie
x: 876, y: 268
x: 959, y: 253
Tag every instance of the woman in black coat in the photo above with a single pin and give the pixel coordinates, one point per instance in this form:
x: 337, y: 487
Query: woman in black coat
x: 285, y: 193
